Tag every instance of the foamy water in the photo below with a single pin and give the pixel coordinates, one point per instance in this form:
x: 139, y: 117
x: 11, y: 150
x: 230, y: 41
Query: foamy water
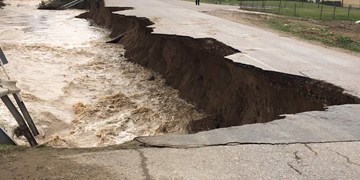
x: 80, y: 91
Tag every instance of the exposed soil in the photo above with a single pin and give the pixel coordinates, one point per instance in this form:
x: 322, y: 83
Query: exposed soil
x: 17, y: 162
x: 230, y: 93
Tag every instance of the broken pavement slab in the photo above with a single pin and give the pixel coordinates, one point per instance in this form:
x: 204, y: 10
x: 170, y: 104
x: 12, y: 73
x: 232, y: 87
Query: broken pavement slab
x: 339, y: 160
x: 268, y: 51
x: 307, y: 127
x: 256, y: 162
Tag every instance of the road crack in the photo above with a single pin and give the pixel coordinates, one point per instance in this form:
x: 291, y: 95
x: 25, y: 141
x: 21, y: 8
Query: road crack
x: 308, y: 146
x: 348, y: 160
x: 293, y: 167
x: 297, y: 158
x: 144, y: 144
x: 144, y: 166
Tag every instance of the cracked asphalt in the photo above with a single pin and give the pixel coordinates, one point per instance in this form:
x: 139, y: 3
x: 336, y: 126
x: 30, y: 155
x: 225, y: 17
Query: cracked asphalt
x: 340, y: 160
x: 337, y: 160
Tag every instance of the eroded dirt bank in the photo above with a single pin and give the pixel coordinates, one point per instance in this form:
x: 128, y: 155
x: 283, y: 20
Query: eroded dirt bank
x: 230, y: 93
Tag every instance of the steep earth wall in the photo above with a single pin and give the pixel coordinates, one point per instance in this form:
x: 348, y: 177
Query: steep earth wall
x: 230, y: 93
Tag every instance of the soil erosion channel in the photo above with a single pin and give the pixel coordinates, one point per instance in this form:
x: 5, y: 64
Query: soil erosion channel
x: 83, y: 92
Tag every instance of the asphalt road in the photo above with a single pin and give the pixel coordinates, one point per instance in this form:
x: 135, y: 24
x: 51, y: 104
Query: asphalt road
x: 297, y: 161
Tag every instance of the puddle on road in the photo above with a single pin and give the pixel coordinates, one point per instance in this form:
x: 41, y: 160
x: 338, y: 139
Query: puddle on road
x: 80, y: 91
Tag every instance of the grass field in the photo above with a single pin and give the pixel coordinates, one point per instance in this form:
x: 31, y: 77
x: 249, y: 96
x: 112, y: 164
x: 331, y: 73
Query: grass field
x: 338, y: 33
x: 320, y: 33
x: 303, y: 9
x: 5, y: 148
x: 296, y: 9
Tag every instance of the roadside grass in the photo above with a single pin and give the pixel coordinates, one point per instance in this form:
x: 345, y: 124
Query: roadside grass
x: 314, y: 32
x: 287, y: 8
x: 5, y: 149
x: 303, y: 9
x: 306, y: 23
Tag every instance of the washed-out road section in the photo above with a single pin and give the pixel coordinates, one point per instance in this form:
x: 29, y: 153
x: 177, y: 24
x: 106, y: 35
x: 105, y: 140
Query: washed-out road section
x: 266, y: 50
x: 309, y: 145
x: 303, y: 145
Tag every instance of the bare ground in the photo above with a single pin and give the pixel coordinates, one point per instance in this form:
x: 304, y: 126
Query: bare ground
x: 46, y: 163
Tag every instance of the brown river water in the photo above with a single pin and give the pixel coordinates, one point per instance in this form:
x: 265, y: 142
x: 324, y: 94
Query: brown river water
x: 80, y: 91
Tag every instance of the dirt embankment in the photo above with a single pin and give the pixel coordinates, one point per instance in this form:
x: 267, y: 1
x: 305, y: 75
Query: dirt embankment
x: 230, y: 93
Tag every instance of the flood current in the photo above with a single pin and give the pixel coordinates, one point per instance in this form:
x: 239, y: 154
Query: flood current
x: 80, y: 91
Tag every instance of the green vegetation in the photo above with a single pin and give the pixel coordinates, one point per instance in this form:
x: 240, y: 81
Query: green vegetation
x: 311, y: 21
x: 314, y: 32
x: 303, y: 9
x: 295, y: 8
x: 6, y: 148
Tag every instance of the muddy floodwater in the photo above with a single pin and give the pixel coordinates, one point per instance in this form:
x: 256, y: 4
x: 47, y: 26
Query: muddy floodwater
x: 80, y: 91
